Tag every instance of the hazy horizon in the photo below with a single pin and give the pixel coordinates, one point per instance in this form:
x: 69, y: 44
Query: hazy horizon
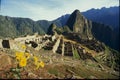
x: 50, y: 9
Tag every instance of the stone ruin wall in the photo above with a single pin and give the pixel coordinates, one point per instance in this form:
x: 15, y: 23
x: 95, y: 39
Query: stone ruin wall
x: 15, y: 43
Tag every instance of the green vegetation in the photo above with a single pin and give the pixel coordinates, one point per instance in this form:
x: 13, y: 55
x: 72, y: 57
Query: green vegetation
x: 66, y: 29
x: 110, y: 58
x: 51, y: 29
x: 75, y: 53
x: 13, y: 27
x: 59, y: 30
x: 53, y: 71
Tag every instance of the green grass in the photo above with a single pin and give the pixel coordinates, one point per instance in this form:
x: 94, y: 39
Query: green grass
x: 53, y: 71
x: 75, y: 53
x: 86, y: 73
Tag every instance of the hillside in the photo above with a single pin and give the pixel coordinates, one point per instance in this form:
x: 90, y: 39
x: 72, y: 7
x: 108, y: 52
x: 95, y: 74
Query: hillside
x: 108, y: 16
x: 61, y: 58
x: 13, y: 27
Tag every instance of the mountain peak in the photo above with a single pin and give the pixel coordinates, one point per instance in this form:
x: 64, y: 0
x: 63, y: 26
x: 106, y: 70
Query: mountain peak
x: 79, y: 24
x: 76, y: 11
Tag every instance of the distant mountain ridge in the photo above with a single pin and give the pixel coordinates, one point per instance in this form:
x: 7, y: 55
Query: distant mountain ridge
x: 108, y: 16
x: 13, y: 27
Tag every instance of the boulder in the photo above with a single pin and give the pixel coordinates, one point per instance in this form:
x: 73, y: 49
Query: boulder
x: 5, y: 60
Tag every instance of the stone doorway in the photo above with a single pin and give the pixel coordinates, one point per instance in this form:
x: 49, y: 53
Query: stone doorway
x: 5, y: 44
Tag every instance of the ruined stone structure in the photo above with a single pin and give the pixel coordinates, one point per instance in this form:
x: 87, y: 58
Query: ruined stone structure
x: 57, y: 43
x: 1, y: 43
x: 17, y: 42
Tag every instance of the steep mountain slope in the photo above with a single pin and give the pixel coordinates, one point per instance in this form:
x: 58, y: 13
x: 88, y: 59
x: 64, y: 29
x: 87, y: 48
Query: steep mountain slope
x: 61, y: 20
x: 108, y: 16
x: 44, y: 24
x: 78, y: 24
x: 12, y: 27
x: 106, y: 34
x: 7, y: 28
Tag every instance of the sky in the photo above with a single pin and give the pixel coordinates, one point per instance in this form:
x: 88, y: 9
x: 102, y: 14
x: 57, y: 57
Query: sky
x: 49, y: 9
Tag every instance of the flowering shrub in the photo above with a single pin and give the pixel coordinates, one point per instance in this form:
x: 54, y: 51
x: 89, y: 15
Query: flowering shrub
x: 22, y: 57
x: 22, y: 61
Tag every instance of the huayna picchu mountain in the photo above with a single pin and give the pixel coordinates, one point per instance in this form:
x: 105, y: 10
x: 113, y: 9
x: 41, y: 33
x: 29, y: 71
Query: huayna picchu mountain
x: 79, y: 24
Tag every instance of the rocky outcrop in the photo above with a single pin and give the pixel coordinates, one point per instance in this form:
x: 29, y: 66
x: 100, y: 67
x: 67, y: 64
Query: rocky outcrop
x: 79, y: 24
x: 5, y: 60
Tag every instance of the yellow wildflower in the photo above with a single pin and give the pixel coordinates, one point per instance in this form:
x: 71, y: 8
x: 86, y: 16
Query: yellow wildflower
x: 42, y: 64
x: 27, y: 55
x: 23, y: 47
x: 35, y: 59
x: 37, y: 64
x: 19, y: 55
x: 23, y: 62
x: 18, y: 58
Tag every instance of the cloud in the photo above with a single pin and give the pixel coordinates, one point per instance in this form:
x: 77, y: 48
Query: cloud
x: 50, y: 9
